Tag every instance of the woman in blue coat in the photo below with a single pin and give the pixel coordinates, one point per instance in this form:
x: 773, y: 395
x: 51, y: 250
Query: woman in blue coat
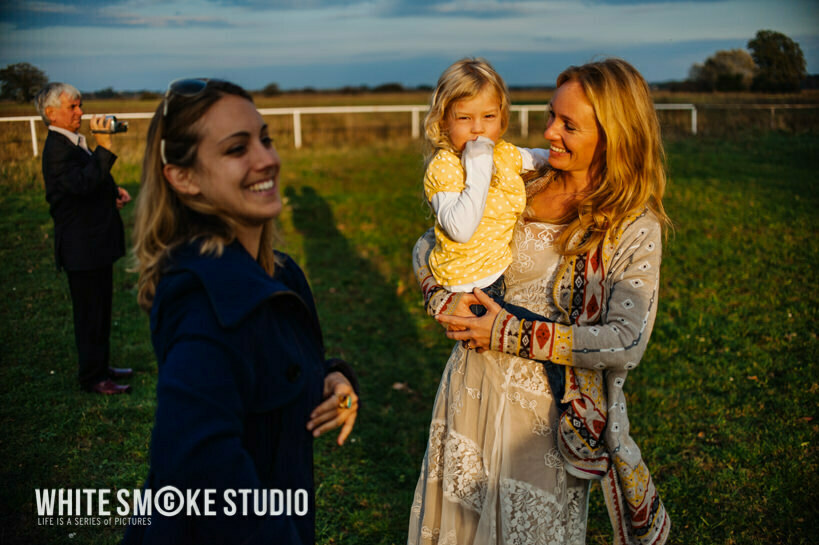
x: 244, y: 385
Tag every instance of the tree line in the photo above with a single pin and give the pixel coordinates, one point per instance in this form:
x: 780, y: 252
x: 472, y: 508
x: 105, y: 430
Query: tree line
x: 774, y: 64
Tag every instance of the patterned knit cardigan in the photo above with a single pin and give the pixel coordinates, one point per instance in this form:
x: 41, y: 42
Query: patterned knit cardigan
x: 608, y: 301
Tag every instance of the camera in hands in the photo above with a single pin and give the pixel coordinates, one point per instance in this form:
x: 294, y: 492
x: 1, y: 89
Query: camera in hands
x: 115, y: 127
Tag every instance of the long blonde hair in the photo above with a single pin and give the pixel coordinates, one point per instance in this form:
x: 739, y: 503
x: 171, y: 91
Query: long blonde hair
x: 462, y: 80
x: 166, y: 219
x: 630, y: 173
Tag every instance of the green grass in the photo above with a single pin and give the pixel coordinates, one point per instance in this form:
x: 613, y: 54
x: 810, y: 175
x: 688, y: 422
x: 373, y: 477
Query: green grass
x: 723, y: 404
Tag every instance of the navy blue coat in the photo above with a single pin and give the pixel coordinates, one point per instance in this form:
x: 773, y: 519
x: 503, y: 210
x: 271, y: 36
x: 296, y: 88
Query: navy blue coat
x: 241, y: 366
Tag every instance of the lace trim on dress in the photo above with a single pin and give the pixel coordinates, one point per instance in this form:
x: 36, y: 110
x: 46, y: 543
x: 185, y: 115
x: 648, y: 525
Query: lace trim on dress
x: 435, y: 451
x: 577, y: 507
x: 532, y: 516
x: 528, y: 375
x: 433, y: 536
x: 465, y: 476
x: 525, y: 376
x: 458, y: 461
x: 532, y: 274
x: 530, y: 240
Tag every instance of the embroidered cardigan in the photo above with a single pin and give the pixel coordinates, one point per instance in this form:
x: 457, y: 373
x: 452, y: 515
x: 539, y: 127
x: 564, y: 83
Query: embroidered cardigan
x: 608, y: 299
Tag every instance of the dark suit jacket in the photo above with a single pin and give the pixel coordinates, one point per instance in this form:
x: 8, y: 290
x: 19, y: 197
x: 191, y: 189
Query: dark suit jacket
x: 88, y: 231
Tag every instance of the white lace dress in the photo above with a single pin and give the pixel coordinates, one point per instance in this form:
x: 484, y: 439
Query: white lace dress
x: 492, y: 473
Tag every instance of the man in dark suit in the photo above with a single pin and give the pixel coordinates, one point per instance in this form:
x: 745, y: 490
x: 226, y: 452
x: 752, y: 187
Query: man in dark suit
x: 88, y: 232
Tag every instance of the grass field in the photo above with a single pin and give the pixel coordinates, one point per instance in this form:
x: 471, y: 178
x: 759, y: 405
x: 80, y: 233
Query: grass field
x: 724, y: 404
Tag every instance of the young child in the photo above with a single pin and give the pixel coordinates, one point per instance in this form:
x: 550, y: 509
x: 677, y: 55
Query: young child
x: 473, y: 179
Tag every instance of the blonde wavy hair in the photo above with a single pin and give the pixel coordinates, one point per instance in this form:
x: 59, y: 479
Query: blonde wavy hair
x: 166, y: 219
x: 630, y: 172
x: 463, y: 80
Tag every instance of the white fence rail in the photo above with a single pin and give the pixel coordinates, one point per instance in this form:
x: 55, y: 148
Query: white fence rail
x: 415, y: 112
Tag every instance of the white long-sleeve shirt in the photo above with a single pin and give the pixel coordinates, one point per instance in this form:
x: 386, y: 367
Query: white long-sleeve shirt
x: 477, y: 199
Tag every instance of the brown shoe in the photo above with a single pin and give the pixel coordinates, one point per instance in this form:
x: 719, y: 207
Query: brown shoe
x: 109, y: 387
x: 120, y: 372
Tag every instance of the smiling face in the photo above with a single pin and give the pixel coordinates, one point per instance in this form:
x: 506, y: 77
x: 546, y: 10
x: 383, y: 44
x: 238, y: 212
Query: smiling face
x: 68, y: 115
x: 237, y: 167
x: 572, y: 131
x: 470, y: 118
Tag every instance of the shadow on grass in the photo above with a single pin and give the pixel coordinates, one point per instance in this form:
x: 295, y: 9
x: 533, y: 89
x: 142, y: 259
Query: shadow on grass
x: 54, y: 434
x: 365, y: 322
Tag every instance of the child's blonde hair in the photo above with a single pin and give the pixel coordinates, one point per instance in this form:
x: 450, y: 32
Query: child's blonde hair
x: 463, y: 80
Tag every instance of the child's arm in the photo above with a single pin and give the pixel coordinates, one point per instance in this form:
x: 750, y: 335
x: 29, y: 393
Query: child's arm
x: 459, y: 214
x: 533, y: 158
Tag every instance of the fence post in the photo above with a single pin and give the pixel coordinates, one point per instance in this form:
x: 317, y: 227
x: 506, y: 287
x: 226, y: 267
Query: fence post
x: 34, y: 137
x: 416, y: 125
x: 694, y: 120
x: 524, y: 122
x: 297, y: 128
x: 773, y: 119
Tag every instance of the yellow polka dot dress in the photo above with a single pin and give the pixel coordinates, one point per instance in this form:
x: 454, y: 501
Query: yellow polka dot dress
x: 487, y: 253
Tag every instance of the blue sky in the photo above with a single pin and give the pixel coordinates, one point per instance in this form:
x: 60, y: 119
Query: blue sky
x: 143, y: 44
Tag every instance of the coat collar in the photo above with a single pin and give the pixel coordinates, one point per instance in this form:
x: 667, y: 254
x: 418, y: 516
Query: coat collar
x: 73, y: 137
x: 235, y: 283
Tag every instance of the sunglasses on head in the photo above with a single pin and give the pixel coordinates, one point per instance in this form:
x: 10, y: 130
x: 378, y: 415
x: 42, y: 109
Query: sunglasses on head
x: 186, y: 87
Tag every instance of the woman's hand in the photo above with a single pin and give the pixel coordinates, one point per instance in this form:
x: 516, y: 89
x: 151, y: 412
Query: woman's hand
x: 339, y: 408
x: 123, y: 197
x: 476, y: 331
x: 464, y: 301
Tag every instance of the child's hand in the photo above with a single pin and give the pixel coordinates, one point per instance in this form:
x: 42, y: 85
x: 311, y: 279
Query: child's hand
x: 480, y: 147
x: 484, y: 140
x: 478, y: 158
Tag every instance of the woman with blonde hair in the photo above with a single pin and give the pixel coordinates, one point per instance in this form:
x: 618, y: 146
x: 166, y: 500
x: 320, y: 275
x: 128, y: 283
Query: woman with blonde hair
x: 510, y: 456
x: 243, y: 385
